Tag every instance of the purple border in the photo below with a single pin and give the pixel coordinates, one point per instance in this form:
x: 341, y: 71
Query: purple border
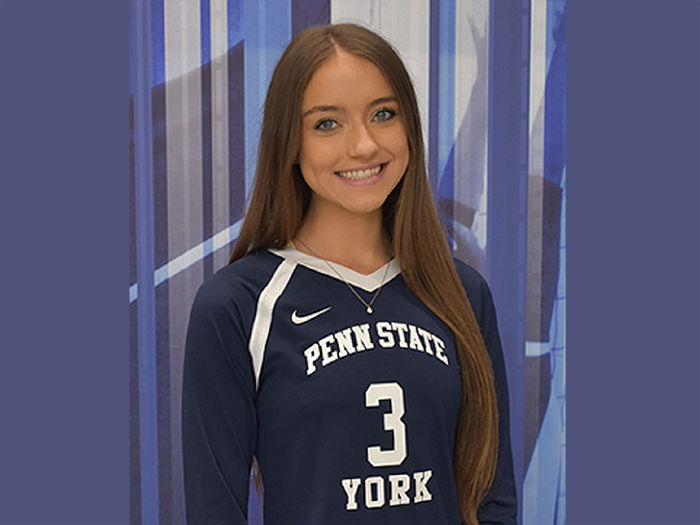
x: 636, y: 173
x: 633, y: 404
x: 507, y: 199
x: 64, y: 335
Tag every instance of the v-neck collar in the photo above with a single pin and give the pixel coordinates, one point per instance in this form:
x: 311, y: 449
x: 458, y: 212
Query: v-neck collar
x: 368, y: 283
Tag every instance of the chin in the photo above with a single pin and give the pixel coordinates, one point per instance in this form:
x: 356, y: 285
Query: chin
x: 365, y: 207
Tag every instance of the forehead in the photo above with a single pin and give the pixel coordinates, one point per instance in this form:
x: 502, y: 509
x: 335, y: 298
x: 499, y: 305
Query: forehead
x: 346, y: 80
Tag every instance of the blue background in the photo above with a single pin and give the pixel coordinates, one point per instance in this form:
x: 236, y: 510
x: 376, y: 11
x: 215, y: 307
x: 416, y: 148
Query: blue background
x: 633, y: 234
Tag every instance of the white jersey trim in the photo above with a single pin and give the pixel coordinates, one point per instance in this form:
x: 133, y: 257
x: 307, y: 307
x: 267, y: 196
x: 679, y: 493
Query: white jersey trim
x: 368, y: 283
x: 263, y: 314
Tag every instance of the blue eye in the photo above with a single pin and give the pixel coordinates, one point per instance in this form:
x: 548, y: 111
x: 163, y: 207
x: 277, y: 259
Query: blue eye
x: 384, y: 114
x: 326, y: 125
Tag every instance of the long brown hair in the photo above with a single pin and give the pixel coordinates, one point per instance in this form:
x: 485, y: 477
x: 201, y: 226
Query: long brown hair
x: 281, y: 197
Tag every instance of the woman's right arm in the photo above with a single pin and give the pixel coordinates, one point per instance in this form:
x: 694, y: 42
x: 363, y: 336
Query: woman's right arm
x: 218, y: 411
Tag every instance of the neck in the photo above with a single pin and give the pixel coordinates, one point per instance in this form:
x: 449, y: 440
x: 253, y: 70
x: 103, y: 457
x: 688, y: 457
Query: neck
x: 357, y: 241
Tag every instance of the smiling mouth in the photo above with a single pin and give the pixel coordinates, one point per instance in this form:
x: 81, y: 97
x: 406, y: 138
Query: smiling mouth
x: 361, y: 174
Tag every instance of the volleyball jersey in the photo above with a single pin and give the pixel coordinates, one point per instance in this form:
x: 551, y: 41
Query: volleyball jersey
x: 351, y: 415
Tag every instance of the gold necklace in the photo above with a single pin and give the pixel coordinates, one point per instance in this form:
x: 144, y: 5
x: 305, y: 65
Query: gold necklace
x: 368, y: 305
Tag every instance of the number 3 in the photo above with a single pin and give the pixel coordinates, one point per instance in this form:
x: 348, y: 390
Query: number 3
x: 392, y: 422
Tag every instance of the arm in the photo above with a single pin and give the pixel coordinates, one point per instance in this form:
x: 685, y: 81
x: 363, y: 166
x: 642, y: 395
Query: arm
x: 218, y: 411
x: 499, y: 506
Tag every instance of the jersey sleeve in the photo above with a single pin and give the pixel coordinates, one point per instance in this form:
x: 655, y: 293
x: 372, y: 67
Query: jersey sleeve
x: 499, y: 507
x: 218, y: 410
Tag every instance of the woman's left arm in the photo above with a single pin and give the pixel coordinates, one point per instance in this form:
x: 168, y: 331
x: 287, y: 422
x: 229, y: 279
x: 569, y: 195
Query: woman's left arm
x: 499, y: 507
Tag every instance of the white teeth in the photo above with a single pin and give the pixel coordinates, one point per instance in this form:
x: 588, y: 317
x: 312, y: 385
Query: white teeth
x: 360, y: 174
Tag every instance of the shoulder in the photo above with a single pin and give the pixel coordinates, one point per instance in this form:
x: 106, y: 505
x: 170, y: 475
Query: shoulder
x: 237, y: 286
x: 477, y: 290
x: 471, y: 279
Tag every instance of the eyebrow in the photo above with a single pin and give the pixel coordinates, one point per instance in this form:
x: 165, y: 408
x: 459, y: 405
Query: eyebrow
x: 317, y: 109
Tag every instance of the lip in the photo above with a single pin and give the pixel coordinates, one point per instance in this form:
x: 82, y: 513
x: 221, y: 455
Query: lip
x: 368, y: 181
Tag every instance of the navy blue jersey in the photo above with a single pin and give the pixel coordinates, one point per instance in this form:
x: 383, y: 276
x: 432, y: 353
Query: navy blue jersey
x: 351, y: 416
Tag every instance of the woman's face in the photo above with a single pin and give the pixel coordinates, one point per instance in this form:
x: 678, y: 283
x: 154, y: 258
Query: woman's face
x: 354, y: 149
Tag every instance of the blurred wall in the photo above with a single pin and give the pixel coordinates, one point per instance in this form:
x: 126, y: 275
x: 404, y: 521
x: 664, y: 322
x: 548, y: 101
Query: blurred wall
x: 489, y: 77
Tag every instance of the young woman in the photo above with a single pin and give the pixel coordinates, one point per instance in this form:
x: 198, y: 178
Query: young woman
x: 343, y: 348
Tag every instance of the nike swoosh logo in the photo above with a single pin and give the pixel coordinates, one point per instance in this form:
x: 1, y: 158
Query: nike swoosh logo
x: 299, y: 319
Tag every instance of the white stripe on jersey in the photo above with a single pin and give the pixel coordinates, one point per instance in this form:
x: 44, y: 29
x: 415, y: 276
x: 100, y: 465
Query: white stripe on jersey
x: 263, y: 314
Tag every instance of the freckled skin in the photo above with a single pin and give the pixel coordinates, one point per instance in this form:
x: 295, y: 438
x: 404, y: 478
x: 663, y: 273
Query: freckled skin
x: 356, y: 134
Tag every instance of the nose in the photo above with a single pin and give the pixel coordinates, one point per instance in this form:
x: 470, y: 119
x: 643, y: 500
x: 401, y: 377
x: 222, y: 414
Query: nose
x: 360, y: 142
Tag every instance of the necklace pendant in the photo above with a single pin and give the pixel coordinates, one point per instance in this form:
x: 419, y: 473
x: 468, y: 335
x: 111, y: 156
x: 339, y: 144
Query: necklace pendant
x: 369, y: 310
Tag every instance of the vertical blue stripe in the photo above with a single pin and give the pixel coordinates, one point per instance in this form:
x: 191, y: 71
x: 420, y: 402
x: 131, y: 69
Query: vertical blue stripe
x: 160, y: 175
x: 236, y: 111
x: 433, y: 92
x: 143, y: 155
x: 160, y: 252
x: 544, y: 485
x: 131, y: 52
x: 134, y: 423
x: 307, y: 13
x: 157, y: 50
x: 446, y: 90
x: 205, y: 31
x: 233, y: 19
x: 206, y: 83
x: 266, y: 31
x: 554, y: 115
x: 554, y: 170
x: 506, y: 253
x: 252, y: 22
x: 441, y: 104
